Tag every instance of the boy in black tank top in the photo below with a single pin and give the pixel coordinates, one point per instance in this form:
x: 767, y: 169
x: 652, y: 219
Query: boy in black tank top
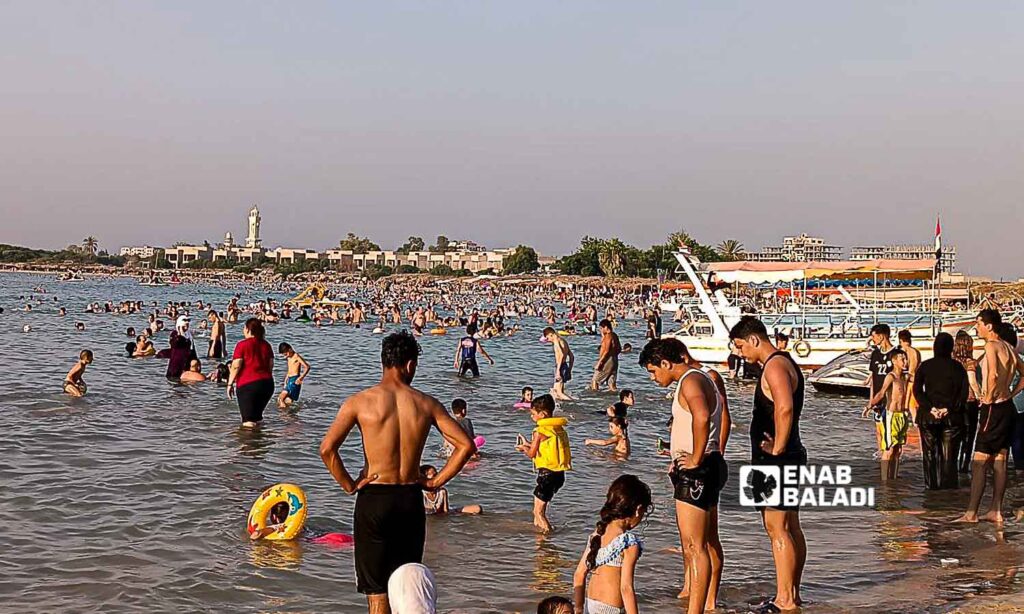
x: 775, y: 440
x: 763, y: 422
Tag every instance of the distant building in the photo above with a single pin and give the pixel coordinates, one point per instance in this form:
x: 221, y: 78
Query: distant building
x: 466, y: 255
x: 252, y: 240
x: 285, y: 255
x: 182, y: 255
x: 468, y: 246
x: 906, y: 252
x: 798, y: 249
x: 142, y: 251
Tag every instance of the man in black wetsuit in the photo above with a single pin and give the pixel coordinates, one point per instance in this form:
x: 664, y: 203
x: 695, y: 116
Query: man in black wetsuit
x: 775, y: 440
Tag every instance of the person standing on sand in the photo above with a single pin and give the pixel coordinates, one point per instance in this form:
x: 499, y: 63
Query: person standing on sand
x: 564, y: 359
x: 394, y: 420
x: 996, y: 417
x: 607, y: 367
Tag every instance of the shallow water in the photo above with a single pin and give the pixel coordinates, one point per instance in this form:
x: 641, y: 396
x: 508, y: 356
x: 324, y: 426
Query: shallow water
x: 135, y: 497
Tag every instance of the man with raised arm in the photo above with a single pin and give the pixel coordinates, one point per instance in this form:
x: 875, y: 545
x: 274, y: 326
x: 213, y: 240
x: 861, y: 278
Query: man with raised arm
x: 394, y: 420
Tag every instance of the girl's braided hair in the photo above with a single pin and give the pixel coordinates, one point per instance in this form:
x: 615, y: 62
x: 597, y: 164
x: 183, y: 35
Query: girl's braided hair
x: 626, y: 494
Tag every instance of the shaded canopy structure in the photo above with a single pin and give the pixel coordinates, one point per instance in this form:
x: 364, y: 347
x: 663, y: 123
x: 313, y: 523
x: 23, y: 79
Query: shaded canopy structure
x: 746, y: 272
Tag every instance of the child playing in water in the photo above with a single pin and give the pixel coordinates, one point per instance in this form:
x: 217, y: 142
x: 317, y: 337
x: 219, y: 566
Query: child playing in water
x: 436, y: 501
x: 73, y: 382
x: 626, y: 396
x: 617, y: 410
x: 278, y: 514
x: 555, y: 605
x: 465, y: 353
x: 525, y: 398
x: 611, y: 556
x: 220, y: 373
x: 619, y: 439
x: 144, y: 347
x: 459, y: 411
x: 552, y: 457
x: 894, y: 419
x: 298, y: 369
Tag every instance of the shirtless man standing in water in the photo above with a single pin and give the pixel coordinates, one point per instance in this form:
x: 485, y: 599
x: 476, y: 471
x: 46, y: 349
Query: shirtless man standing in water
x: 394, y: 420
x: 217, y: 336
x: 564, y: 359
x: 995, y: 418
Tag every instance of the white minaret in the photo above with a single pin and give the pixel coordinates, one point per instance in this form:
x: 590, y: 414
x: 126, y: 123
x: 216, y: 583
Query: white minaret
x: 229, y: 241
x: 252, y: 241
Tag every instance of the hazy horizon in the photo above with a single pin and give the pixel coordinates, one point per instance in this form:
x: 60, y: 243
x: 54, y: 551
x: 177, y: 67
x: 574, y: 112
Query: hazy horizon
x: 535, y: 123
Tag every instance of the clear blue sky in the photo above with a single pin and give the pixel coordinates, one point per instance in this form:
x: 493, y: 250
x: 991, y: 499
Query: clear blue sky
x: 515, y: 122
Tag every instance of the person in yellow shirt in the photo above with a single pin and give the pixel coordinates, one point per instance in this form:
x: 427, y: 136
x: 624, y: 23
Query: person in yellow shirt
x: 549, y: 449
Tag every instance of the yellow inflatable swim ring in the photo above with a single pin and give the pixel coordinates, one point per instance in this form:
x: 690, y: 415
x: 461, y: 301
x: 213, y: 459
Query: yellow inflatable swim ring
x: 290, y: 494
x: 566, y: 333
x: 438, y: 331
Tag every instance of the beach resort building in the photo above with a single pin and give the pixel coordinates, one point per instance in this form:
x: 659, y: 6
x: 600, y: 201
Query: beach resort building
x: 141, y: 251
x: 467, y: 255
x: 906, y: 252
x: 800, y: 248
x: 182, y: 255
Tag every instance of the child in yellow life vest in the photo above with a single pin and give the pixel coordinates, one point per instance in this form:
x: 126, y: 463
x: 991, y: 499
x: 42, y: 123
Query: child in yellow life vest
x: 551, y: 456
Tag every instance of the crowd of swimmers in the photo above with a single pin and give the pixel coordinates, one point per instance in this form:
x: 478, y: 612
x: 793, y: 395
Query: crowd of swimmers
x: 963, y: 406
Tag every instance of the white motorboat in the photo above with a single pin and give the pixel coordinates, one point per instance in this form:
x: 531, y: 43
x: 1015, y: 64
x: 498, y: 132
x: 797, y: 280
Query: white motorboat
x: 846, y: 374
x: 818, y: 335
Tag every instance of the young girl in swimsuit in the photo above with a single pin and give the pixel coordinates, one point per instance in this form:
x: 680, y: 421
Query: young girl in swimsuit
x: 436, y: 502
x: 619, y: 437
x: 611, y: 556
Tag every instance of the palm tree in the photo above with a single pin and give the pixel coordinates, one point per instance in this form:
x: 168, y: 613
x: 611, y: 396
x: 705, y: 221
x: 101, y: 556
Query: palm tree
x: 90, y: 244
x: 731, y: 249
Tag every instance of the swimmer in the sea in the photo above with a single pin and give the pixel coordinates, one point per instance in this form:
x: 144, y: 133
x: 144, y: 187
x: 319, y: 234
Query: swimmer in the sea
x: 278, y: 514
x: 277, y: 517
x: 298, y: 369
x: 194, y: 373
x: 619, y: 437
x: 73, y: 382
x: 144, y: 347
x: 435, y: 502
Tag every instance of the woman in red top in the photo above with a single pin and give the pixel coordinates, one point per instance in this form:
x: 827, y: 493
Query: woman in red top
x: 252, y: 371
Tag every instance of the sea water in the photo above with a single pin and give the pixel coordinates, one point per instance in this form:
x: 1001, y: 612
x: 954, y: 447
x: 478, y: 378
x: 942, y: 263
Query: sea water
x: 135, y: 496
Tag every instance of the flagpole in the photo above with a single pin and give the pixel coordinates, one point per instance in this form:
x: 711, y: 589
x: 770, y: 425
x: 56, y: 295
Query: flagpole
x: 938, y: 269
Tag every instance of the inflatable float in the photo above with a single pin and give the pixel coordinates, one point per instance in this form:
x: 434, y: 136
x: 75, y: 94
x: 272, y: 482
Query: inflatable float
x: 289, y: 494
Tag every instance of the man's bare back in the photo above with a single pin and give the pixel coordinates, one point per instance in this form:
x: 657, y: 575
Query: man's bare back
x: 394, y: 418
x: 998, y: 367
